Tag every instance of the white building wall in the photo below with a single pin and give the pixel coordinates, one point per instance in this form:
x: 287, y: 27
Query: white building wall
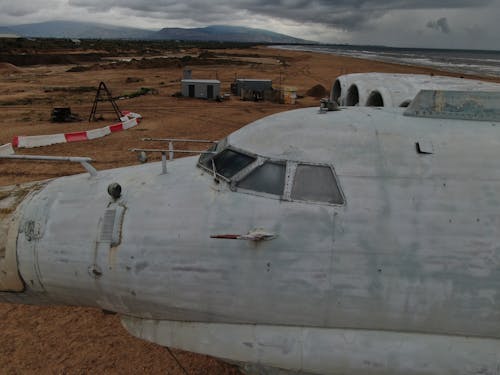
x: 200, y: 89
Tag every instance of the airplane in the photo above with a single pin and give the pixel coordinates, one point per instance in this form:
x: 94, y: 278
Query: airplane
x: 358, y: 240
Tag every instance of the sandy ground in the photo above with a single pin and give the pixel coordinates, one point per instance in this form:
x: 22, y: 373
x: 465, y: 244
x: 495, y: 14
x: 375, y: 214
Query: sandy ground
x: 77, y: 340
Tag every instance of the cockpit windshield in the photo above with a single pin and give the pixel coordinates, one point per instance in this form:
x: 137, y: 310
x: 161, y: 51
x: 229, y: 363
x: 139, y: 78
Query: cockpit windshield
x: 268, y: 178
x: 315, y: 183
x: 227, y: 163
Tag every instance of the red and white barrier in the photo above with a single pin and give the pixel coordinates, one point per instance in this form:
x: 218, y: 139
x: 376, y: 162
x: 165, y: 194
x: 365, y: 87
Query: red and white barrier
x: 6, y: 149
x: 129, y: 120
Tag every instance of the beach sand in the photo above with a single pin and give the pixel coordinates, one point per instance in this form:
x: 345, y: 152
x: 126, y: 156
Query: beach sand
x: 74, y: 340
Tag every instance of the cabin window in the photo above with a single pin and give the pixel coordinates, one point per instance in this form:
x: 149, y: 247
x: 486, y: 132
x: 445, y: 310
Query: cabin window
x: 268, y: 178
x: 317, y: 184
x: 230, y: 162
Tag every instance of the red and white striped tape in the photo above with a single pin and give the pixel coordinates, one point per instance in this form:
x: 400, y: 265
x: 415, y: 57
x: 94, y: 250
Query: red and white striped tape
x: 129, y: 120
x: 6, y: 149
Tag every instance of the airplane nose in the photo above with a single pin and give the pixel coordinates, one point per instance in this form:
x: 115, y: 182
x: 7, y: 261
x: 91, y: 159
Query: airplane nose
x: 11, y: 198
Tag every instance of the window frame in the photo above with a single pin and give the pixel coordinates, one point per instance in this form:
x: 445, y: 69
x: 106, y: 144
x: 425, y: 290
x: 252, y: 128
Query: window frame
x: 290, y: 174
x: 247, y: 171
x: 221, y: 147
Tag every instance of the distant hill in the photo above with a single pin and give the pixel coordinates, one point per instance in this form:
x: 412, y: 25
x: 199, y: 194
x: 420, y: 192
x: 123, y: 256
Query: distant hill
x: 222, y: 33
x: 87, y: 30
x: 6, y: 32
x: 78, y: 30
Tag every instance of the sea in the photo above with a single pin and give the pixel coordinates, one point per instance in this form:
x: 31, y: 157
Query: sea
x: 477, y: 62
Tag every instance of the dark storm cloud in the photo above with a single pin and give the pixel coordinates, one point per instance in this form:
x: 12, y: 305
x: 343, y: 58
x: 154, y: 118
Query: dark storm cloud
x: 18, y: 8
x: 440, y: 25
x: 345, y: 14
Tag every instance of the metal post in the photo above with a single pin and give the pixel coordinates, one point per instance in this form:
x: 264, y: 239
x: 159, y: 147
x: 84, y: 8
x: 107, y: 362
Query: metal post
x: 171, y: 150
x: 92, y: 171
x: 85, y: 162
x: 163, y: 163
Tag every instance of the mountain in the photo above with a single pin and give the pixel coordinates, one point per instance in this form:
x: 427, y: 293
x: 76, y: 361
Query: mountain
x: 5, y: 30
x: 221, y: 33
x: 87, y: 30
x: 79, y: 30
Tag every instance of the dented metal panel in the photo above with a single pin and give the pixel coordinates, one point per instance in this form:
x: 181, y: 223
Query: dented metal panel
x: 412, y: 254
x: 310, y: 350
x: 11, y: 197
x: 456, y: 105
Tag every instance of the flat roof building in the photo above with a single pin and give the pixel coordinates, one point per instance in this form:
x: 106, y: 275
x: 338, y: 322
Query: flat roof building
x: 252, y: 85
x: 200, y: 88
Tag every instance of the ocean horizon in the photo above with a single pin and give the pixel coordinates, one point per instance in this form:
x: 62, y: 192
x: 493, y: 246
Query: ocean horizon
x: 476, y: 62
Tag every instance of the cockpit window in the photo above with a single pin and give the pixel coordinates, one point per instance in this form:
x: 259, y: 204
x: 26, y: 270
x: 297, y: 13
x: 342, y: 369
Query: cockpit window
x: 206, y: 159
x: 289, y: 180
x: 268, y: 178
x: 229, y: 162
x: 316, y: 183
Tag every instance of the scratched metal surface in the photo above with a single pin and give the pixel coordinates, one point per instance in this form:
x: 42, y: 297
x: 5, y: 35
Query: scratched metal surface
x: 457, y: 105
x: 266, y: 349
x: 413, y: 251
x: 415, y: 248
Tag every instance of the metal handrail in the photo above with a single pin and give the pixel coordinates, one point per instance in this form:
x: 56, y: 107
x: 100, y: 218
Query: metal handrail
x: 85, y: 162
x: 179, y: 140
x: 171, y: 150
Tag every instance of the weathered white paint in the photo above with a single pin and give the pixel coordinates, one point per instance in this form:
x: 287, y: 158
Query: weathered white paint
x: 131, y: 120
x: 98, y: 133
x: 129, y: 123
x: 415, y: 249
x: 396, y: 89
x: 200, y: 87
x: 6, y: 149
x: 11, y: 206
x: 41, y: 140
x: 326, y: 351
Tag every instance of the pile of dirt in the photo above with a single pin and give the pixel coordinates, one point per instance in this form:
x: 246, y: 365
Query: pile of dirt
x: 318, y: 91
x: 157, y: 62
x: 6, y: 68
x: 133, y: 80
x: 50, y: 58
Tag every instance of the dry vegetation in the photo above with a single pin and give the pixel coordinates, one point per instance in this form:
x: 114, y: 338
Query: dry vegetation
x: 79, y: 340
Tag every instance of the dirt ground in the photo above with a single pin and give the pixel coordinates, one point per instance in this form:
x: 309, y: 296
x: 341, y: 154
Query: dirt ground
x: 73, y: 340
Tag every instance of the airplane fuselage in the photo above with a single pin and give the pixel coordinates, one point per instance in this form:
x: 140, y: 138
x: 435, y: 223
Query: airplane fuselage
x: 400, y: 261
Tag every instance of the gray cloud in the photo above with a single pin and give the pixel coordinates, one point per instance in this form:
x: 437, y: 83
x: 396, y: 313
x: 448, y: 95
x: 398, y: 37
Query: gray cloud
x: 387, y: 22
x: 20, y: 8
x: 440, y: 25
x: 342, y: 14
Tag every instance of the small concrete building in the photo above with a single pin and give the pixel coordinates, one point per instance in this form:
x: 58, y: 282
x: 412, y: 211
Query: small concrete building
x: 200, y: 88
x: 258, y: 86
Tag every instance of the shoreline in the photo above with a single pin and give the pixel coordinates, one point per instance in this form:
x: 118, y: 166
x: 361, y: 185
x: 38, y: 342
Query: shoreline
x: 425, y: 61
x: 340, y: 64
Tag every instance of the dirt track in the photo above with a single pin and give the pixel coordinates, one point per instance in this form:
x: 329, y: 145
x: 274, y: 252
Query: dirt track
x: 78, y: 340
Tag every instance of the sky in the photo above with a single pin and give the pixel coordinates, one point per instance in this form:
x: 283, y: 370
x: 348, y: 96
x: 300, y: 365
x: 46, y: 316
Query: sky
x: 404, y: 23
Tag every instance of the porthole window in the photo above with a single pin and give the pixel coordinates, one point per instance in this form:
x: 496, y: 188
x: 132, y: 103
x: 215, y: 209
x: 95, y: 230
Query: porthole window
x: 316, y: 183
x: 268, y: 178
